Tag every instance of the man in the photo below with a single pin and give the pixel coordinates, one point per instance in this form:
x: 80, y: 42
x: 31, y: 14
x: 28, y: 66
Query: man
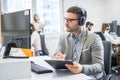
x: 81, y: 46
x: 89, y: 26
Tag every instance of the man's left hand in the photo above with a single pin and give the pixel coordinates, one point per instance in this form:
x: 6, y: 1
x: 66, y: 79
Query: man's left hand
x: 75, y: 68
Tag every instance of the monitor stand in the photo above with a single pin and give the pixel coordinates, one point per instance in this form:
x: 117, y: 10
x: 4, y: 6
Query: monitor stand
x: 8, y: 48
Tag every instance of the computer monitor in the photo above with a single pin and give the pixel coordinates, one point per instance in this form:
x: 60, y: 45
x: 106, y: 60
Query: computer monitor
x: 113, y: 26
x: 15, y: 29
x: 118, y: 32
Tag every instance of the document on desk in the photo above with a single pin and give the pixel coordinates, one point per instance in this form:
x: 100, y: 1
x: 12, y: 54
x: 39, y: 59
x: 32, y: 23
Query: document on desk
x: 21, y: 52
x: 16, y: 52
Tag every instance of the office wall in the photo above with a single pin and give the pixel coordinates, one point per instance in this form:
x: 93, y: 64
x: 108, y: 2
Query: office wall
x: 0, y: 23
x: 112, y: 11
x: 94, y: 8
x: 99, y: 11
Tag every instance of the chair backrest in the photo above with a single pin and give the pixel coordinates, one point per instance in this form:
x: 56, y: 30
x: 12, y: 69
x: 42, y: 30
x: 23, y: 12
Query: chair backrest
x: 101, y: 35
x: 107, y: 56
x: 43, y: 45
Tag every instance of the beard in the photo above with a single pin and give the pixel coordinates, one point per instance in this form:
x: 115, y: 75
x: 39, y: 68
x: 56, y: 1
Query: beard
x: 72, y: 29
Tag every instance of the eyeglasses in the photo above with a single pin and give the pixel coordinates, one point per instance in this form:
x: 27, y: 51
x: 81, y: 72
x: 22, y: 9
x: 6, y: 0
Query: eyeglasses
x: 68, y: 20
x: 108, y: 28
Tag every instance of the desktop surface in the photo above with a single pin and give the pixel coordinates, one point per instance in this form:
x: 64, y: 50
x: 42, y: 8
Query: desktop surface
x: 14, y: 69
x: 62, y: 74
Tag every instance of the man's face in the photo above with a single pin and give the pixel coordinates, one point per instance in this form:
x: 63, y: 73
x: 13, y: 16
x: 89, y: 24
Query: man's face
x: 71, y: 22
x: 89, y: 28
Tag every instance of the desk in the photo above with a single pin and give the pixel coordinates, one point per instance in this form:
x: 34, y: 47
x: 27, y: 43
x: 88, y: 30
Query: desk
x: 56, y: 74
x: 116, y: 49
x: 59, y: 75
x: 14, y: 69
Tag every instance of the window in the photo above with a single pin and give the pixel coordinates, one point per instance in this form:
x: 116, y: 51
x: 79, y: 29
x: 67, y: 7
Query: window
x: 15, y: 5
x: 48, y: 11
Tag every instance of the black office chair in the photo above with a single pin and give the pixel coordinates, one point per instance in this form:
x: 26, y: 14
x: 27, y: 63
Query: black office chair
x: 114, y: 64
x: 43, y: 45
x: 107, y: 59
x: 101, y: 35
x: 114, y: 56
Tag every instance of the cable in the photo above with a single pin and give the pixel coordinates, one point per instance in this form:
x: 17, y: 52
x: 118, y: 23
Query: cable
x: 11, y: 43
x: 10, y: 40
x: 5, y: 44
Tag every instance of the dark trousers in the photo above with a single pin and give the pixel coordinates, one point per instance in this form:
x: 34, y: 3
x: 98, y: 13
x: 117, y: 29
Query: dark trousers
x: 39, y: 53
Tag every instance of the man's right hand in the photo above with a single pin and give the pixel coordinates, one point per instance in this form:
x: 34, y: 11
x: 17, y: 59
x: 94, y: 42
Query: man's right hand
x: 60, y: 56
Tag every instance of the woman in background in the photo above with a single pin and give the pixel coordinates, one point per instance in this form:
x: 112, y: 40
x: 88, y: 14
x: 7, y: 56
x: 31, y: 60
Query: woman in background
x: 105, y: 30
x: 35, y: 41
x: 39, y: 27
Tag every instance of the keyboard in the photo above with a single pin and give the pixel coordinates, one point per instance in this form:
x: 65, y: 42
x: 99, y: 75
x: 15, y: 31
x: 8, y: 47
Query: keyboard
x: 39, y: 69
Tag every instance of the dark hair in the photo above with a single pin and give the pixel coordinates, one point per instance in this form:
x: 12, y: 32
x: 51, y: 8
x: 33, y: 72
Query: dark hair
x: 88, y: 23
x: 91, y: 24
x: 80, y: 12
x: 32, y: 28
x: 104, y: 27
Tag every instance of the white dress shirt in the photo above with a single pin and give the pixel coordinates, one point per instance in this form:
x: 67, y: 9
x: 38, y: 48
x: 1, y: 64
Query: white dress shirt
x: 35, y: 41
x: 38, y: 26
x: 109, y: 37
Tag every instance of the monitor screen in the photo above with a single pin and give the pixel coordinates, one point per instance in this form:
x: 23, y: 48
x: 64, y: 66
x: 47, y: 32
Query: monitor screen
x: 16, y: 23
x: 118, y: 30
x: 15, y: 30
x: 113, y: 26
